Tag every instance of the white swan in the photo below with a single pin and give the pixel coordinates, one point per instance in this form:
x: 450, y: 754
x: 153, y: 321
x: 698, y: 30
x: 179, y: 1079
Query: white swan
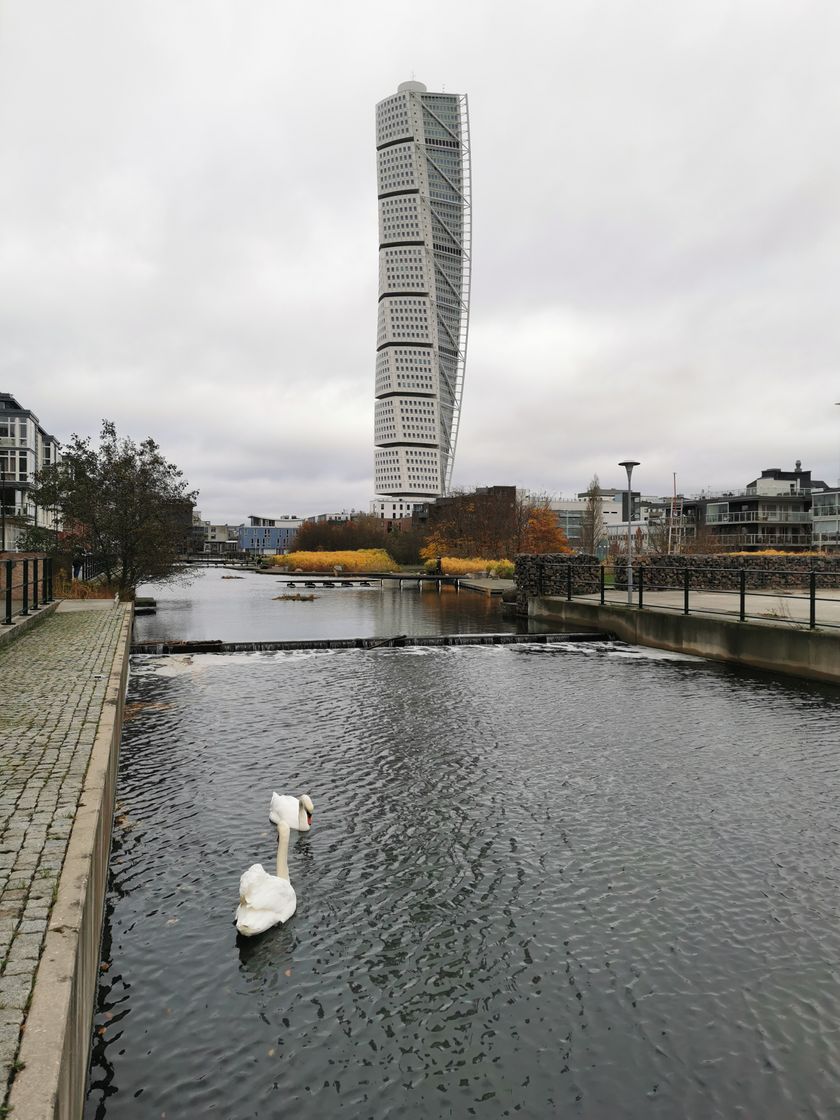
x: 295, y: 811
x: 266, y: 900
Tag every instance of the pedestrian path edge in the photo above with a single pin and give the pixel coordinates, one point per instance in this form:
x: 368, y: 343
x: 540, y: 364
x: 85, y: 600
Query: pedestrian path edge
x: 53, y: 1056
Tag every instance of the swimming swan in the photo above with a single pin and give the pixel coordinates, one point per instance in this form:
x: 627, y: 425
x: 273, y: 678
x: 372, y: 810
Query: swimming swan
x: 266, y: 900
x: 295, y: 811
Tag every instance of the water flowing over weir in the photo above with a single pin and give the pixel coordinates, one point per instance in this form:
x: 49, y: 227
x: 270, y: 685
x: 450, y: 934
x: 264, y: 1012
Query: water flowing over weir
x: 564, y: 878
x: 398, y: 641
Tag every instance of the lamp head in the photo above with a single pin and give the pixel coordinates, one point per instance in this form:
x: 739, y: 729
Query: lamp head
x: 628, y: 464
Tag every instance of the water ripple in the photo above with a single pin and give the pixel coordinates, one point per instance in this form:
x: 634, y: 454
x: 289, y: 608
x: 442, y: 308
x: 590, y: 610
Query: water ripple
x: 542, y: 881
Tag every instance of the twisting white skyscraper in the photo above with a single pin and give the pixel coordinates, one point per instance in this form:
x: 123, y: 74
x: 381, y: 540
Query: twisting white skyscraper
x: 423, y: 182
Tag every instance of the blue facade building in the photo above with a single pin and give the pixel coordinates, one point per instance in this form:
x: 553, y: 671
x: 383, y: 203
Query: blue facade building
x: 268, y: 536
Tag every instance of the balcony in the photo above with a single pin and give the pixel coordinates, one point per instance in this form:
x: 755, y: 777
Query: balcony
x: 760, y: 517
x: 766, y: 540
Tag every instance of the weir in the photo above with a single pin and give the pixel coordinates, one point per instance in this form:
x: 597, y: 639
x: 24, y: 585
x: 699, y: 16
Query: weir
x: 400, y: 640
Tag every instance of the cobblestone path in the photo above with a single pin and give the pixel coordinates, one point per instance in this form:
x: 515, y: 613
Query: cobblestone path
x: 52, y: 684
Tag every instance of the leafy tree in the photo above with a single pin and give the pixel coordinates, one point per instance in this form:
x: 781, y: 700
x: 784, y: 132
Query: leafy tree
x: 541, y: 532
x: 364, y: 530
x: 123, y: 502
x: 35, y: 538
x: 493, y: 522
x: 481, y: 522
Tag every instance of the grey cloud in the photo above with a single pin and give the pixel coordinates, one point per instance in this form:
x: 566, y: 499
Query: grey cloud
x: 188, y: 236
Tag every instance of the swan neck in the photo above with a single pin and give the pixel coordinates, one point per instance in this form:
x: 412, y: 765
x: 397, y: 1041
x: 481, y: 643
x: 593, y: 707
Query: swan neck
x: 282, y: 855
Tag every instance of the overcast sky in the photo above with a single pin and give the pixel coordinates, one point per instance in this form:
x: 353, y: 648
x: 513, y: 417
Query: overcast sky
x: 188, y: 235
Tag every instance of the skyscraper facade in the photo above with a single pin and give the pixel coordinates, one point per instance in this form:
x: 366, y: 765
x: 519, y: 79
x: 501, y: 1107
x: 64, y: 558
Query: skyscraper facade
x: 423, y: 183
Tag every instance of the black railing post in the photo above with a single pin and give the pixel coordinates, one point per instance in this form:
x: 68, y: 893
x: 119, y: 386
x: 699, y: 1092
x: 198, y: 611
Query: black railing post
x: 52, y: 588
x: 641, y: 586
x: 25, y: 608
x: 35, y: 585
x: 813, y: 590
x: 45, y: 581
x: 685, y: 591
x: 603, y: 584
x: 569, y: 582
x: 742, y: 590
x: 10, y: 573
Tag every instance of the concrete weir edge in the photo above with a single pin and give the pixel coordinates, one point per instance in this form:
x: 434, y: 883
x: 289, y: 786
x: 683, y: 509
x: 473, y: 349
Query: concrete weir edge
x: 793, y: 651
x: 55, y: 1045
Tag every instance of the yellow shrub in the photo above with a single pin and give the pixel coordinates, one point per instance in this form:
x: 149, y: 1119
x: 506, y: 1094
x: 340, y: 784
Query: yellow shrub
x: 361, y: 560
x: 81, y: 589
x: 473, y: 566
x: 503, y: 569
x: 772, y: 552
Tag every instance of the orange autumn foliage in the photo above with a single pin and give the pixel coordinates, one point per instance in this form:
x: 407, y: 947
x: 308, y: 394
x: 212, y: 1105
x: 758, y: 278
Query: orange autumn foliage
x: 542, y: 533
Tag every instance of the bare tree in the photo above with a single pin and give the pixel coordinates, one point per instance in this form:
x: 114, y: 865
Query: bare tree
x: 593, y: 530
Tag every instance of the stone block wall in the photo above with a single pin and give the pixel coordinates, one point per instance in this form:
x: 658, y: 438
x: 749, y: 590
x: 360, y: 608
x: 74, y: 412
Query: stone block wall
x: 723, y: 573
x: 548, y: 574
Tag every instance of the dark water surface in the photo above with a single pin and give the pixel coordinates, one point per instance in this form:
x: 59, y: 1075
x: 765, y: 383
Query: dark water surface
x: 585, y: 881
x: 245, y: 610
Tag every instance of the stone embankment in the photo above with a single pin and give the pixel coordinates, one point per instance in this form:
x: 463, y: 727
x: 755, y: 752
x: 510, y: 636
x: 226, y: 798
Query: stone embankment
x: 559, y: 573
x: 697, y: 605
x: 723, y: 573
x: 555, y: 573
x: 62, y: 688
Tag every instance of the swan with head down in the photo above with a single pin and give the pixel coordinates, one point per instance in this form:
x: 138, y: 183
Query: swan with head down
x: 295, y: 811
x: 266, y: 900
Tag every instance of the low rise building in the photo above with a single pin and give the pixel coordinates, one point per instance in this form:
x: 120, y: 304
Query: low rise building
x: 222, y: 540
x: 334, y: 518
x: 825, y: 520
x: 268, y: 536
x: 772, y: 511
x: 575, y: 517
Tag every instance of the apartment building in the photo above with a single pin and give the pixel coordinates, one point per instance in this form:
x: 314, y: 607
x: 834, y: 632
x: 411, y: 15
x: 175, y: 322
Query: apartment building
x: 25, y: 449
x: 772, y: 511
x: 268, y: 536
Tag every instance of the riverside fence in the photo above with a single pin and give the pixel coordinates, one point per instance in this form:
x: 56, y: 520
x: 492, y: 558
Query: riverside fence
x: 800, y: 590
x: 26, y: 585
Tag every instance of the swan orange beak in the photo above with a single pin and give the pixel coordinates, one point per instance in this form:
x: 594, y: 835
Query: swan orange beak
x: 309, y: 818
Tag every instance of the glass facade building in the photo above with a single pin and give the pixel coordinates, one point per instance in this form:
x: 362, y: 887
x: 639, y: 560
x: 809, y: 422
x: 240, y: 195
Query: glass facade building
x: 423, y: 183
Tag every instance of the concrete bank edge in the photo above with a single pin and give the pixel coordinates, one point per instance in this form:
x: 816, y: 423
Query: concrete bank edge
x: 55, y: 1045
x: 809, y: 654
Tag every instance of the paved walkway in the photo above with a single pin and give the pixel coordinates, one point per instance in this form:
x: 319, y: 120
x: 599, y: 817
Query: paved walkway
x: 771, y: 608
x: 52, y: 685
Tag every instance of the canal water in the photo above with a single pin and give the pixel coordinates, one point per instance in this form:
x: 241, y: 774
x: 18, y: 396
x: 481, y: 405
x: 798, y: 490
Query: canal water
x: 246, y: 607
x: 578, y: 880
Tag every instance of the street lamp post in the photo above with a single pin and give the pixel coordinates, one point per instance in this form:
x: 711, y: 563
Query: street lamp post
x: 628, y: 465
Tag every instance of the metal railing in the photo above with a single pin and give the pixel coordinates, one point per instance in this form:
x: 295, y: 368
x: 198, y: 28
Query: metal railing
x: 88, y: 566
x: 765, y: 539
x: 26, y: 585
x: 671, y: 589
